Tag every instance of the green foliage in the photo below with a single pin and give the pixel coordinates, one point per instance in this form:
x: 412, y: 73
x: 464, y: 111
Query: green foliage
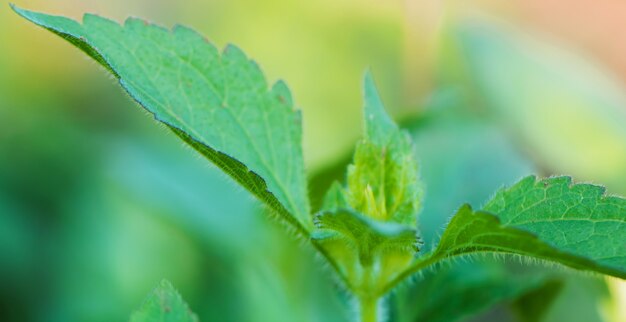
x: 368, y: 227
x: 575, y: 225
x: 532, y: 306
x: 164, y: 304
x: 477, y: 286
x: 221, y: 105
x: 575, y: 218
x: 382, y: 181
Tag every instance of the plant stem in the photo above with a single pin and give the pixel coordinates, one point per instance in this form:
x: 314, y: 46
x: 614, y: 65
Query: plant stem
x: 418, y: 265
x: 368, y: 309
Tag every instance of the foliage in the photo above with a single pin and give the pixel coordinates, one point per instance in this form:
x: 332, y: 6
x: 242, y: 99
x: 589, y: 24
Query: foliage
x: 163, y: 304
x: 221, y: 105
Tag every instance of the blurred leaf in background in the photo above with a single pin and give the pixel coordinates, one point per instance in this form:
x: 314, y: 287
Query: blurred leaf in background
x: 569, y: 113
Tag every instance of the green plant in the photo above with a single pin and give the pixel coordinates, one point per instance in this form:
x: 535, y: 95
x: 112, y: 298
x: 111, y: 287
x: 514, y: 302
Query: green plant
x: 220, y: 104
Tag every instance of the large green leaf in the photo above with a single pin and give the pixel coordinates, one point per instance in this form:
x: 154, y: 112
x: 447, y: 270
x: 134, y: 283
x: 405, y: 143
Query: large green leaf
x: 164, y: 304
x: 575, y: 225
x: 219, y: 103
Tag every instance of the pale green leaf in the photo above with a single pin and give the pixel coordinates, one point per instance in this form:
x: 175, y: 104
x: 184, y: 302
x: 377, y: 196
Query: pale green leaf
x: 164, y: 304
x: 218, y: 102
x: 382, y: 182
x: 551, y: 219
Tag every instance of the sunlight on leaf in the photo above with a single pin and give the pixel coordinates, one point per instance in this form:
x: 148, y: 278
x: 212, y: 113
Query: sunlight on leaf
x: 219, y: 103
x: 575, y: 225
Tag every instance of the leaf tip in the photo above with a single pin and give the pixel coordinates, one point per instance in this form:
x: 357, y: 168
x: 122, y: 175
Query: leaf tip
x: 231, y: 49
x: 368, y: 79
x: 166, y: 284
x: 282, y: 92
x: 22, y: 12
x: 465, y: 207
x: 376, y: 117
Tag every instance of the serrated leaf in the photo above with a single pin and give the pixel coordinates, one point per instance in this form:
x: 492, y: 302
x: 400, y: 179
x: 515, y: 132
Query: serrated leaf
x: 219, y: 103
x: 164, y: 304
x: 551, y: 219
x: 382, y: 182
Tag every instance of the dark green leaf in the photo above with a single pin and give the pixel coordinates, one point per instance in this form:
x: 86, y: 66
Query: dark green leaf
x: 532, y: 306
x: 463, y: 289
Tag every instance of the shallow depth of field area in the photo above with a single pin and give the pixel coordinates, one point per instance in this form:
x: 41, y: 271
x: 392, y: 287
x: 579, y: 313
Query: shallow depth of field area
x: 99, y: 204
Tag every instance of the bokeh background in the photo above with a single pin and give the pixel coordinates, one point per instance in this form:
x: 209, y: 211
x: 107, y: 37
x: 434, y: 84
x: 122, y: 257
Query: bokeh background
x: 97, y: 203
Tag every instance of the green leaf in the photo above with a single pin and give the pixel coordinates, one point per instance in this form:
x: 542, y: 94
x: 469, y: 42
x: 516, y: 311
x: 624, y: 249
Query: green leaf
x: 368, y: 237
x: 335, y: 198
x: 369, y: 252
x: 464, y: 289
x: 367, y: 227
x: 532, y: 306
x: 219, y: 103
x: 551, y: 219
x: 164, y: 304
x: 383, y: 181
x: 464, y: 159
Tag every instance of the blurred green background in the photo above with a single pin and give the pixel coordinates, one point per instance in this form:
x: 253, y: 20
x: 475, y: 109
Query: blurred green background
x: 97, y: 203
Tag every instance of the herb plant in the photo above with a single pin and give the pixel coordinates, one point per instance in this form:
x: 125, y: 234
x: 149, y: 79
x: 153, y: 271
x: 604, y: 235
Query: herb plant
x: 220, y: 104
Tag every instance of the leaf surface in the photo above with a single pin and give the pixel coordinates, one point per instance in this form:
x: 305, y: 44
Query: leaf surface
x: 218, y: 102
x: 368, y: 226
x: 575, y: 225
x: 164, y: 304
x: 462, y: 290
x: 367, y: 236
x: 382, y: 182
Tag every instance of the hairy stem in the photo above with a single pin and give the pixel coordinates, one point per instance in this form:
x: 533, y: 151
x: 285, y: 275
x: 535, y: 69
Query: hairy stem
x: 368, y: 309
x: 368, y: 298
x: 418, y: 265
